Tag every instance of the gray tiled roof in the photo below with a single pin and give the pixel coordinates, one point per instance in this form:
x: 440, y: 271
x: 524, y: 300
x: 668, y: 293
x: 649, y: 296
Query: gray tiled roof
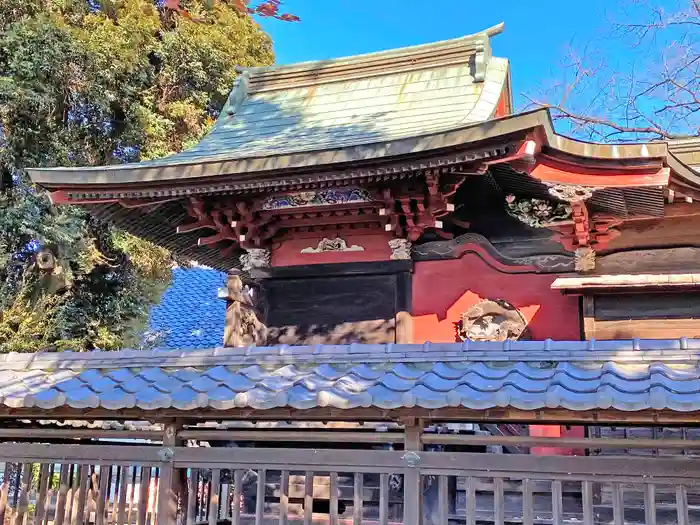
x: 625, y: 375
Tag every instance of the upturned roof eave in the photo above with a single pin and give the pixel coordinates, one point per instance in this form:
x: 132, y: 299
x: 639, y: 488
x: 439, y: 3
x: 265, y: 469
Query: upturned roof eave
x: 181, y: 173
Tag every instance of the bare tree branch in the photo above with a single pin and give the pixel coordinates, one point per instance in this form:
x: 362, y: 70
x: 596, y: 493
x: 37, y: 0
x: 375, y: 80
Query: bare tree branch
x: 641, y: 81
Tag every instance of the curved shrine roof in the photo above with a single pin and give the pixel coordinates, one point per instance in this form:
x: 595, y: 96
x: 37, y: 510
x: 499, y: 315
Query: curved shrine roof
x: 335, y: 104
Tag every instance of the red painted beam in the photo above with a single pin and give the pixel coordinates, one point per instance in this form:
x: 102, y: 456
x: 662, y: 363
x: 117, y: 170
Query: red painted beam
x: 549, y: 169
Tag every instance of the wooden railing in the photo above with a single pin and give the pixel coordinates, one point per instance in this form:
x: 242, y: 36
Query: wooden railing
x: 164, y: 484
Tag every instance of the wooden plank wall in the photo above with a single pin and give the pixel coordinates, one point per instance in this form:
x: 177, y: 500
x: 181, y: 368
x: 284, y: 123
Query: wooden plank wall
x: 642, y: 315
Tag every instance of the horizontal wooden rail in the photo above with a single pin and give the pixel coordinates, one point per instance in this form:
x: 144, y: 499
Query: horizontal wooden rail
x: 350, y: 437
x: 586, y: 443
x: 320, y: 436
x: 324, y: 436
x: 143, y: 455
x: 81, y: 433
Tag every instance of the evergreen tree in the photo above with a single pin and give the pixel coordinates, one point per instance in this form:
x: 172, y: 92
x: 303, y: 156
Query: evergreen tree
x: 89, y: 84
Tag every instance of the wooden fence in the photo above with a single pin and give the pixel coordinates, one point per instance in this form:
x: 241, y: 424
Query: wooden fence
x: 167, y: 483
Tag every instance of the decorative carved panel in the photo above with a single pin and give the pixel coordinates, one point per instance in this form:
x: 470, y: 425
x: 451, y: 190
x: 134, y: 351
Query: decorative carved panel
x: 492, y: 320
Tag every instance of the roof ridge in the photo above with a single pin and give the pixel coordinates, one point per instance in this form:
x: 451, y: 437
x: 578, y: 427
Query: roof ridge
x: 636, y: 350
x: 393, y: 52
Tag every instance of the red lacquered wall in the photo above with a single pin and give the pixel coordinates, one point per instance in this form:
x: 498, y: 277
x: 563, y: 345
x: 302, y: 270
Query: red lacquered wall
x: 374, y: 248
x: 443, y: 290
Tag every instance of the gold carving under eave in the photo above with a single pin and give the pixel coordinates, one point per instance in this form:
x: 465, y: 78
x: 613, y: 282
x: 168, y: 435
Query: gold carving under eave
x: 492, y: 320
x: 242, y: 328
x: 336, y: 244
x: 584, y: 259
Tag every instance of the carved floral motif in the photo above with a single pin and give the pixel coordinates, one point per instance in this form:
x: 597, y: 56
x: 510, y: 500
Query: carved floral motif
x: 570, y: 192
x: 537, y: 213
x: 492, y: 320
x: 316, y: 198
x: 255, y: 258
x: 584, y: 259
x: 336, y: 244
x: 400, y: 249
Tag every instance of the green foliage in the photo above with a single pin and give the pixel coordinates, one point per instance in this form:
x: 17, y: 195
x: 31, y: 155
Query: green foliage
x: 86, y: 86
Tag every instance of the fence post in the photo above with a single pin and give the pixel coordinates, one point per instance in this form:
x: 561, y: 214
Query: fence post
x: 168, y: 486
x: 412, y: 484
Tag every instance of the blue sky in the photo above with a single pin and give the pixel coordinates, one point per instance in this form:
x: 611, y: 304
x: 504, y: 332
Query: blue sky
x: 537, y: 34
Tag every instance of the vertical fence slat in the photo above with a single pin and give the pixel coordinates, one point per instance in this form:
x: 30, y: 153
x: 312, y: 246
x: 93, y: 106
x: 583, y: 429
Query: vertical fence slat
x: 443, y: 502
x: 618, y: 504
x: 72, y: 496
x: 191, y: 496
x: 113, y: 494
x: 284, y: 497
x: 333, y: 499
x: 557, y: 503
x: 79, y: 515
x: 358, y: 499
x: 153, y: 484
x: 498, y: 503
x: 5, y: 491
x: 144, y: 485
x: 123, y: 488
x: 587, y: 502
x: 92, y: 492
x: 132, y: 493
x: 682, y: 505
x: 650, y: 504
x: 471, y: 502
x: 23, y: 500
x: 62, y: 495
x: 214, y: 496
x: 101, y: 496
x: 384, y: 499
x: 528, y: 510
x: 237, y: 497
x: 412, y: 496
x: 260, y: 498
x: 41, y: 496
x: 48, y: 496
x: 308, y: 497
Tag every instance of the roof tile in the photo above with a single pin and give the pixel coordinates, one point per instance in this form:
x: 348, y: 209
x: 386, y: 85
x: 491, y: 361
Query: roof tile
x: 627, y: 375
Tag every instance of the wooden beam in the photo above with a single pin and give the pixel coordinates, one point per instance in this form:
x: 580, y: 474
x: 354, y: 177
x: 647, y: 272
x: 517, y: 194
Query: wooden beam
x: 611, y: 417
x: 61, y: 433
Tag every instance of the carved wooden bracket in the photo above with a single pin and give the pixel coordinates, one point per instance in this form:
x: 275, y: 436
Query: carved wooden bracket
x: 492, y: 320
x: 410, y: 213
x: 585, y: 230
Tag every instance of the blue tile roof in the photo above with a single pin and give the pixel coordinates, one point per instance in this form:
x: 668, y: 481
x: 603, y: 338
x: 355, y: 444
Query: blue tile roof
x: 631, y: 376
x: 189, y: 314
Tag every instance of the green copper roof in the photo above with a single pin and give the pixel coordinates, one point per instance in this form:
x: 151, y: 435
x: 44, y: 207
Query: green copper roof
x: 350, y: 102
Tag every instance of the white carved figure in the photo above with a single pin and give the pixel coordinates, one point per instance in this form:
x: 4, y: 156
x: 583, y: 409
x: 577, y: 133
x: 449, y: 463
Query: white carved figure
x: 400, y: 249
x: 255, y: 258
x: 336, y: 244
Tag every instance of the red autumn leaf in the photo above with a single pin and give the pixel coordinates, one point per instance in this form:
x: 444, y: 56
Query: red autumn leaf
x: 241, y: 5
x: 289, y: 17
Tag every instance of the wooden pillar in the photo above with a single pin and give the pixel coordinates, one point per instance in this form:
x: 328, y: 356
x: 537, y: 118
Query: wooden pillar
x: 413, y: 486
x: 170, y: 488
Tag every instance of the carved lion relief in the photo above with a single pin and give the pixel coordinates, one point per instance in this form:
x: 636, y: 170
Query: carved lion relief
x: 492, y: 320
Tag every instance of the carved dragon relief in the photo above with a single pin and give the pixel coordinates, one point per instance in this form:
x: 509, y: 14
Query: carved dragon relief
x: 492, y: 320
